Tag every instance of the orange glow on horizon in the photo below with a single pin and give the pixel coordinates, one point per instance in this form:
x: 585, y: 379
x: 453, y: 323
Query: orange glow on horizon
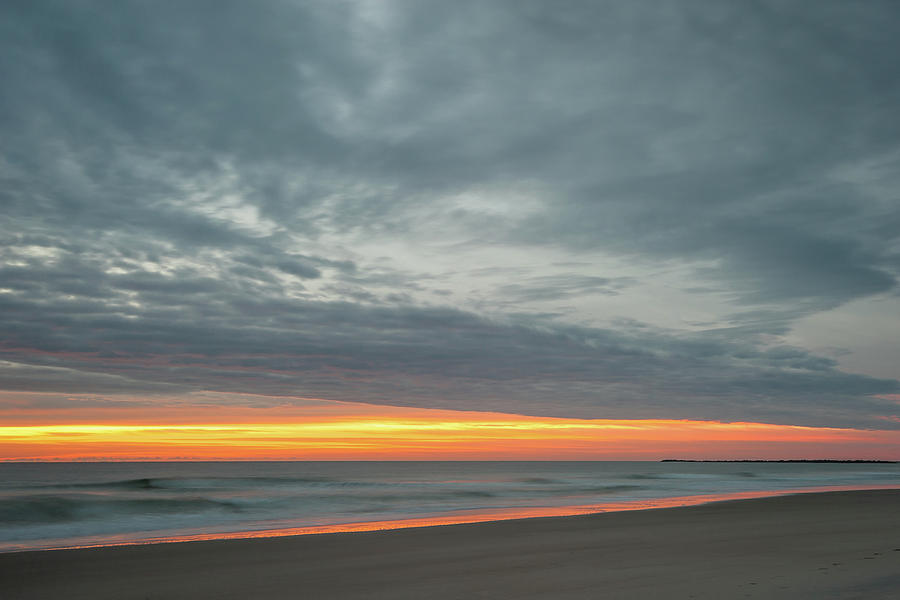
x: 325, y: 430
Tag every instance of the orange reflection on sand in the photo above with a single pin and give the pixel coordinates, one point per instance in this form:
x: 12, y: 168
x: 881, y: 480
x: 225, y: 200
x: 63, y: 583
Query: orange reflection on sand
x: 471, y: 517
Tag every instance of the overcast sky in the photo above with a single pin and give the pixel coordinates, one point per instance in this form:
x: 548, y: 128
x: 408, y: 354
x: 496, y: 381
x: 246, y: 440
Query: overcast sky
x: 604, y: 209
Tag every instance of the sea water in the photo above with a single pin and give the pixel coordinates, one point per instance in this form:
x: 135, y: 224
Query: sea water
x: 57, y: 505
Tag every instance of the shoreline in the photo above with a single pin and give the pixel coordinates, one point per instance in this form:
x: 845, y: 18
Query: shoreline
x: 465, y: 517
x: 838, y: 544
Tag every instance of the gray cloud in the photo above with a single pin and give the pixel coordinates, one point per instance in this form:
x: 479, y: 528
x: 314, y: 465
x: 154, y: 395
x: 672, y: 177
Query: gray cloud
x: 25, y: 377
x: 554, y: 287
x: 522, y: 206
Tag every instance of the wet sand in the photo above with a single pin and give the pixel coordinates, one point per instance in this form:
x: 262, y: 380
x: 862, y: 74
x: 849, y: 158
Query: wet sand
x: 834, y: 545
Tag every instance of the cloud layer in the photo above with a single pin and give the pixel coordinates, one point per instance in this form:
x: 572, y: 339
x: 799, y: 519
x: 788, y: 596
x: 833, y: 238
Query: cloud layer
x: 590, y: 209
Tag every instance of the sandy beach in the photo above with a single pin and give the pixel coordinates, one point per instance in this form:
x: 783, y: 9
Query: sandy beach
x: 836, y: 545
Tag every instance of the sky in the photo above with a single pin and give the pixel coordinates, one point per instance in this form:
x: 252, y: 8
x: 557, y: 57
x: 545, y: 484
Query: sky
x: 682, y: 215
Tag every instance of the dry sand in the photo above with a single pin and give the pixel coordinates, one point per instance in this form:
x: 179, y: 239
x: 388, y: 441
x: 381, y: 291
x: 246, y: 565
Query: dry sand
x: 836, y: 545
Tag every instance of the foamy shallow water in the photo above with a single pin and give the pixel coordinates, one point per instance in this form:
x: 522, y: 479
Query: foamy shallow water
x: 82, y: 504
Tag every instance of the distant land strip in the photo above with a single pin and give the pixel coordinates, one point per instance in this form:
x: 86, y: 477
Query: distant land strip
x: 792, y: 460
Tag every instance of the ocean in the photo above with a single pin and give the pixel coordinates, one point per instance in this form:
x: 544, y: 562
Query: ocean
x: 64, y: 505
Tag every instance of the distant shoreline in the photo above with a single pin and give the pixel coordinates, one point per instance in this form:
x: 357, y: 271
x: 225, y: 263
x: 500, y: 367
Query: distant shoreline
x: 792, y: 460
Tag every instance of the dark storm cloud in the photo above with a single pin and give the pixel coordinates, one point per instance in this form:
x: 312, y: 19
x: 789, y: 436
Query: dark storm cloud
x: 214, y: 194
